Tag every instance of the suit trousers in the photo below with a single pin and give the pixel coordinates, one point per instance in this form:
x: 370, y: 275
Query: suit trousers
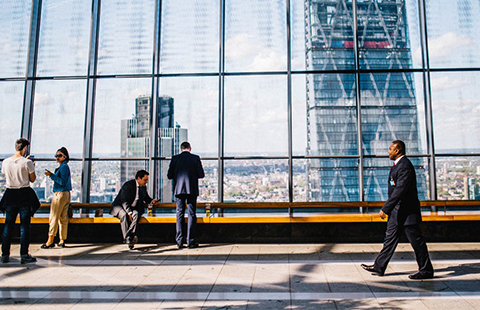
x: 129, y: 229
x: 59, y: 214
x: 414, y: 236
x: 189, y: 201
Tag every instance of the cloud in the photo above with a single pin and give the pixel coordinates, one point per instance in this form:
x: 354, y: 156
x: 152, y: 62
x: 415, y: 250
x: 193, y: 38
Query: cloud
x: 447, y: 44
x: 245, y: 52
x: 445, y: 83
x: 240, y: 46
x: 267, y: 60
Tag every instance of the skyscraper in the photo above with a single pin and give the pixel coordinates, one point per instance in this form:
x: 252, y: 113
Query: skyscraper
x: 388, y: 103
x: 135, y: 141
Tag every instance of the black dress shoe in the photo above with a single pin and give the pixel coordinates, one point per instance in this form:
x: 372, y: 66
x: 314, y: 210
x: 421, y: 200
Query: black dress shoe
x: 180, y: 246
x: 45, y: 246
x: 421, y: 276
x: 371, y: 268
x: 193, y: 245
x: 61, y: 245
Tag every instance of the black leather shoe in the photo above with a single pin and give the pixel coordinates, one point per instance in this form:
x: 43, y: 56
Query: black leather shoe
x: 5, y: 259
x: 180, y: 246
x: 61, y: 245
x: 421, y: 276
x: 27, y: 258
x: 193, y: 245
x: 371, y: 268
x: 45, y: 246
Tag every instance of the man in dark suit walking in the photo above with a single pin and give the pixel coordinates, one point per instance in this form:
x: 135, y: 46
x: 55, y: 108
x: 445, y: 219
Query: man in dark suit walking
x: 185, y: 170
x: 403, y: 210
x: 130, y: 204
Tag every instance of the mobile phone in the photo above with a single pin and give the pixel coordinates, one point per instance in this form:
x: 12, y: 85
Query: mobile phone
x: 32, y: 157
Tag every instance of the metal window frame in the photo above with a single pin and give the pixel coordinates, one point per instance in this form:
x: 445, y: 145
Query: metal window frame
x: 92, y: 77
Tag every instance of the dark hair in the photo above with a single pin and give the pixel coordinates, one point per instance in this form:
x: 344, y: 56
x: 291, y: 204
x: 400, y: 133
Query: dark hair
x: 141, y: 173
x: 185, y: 145
x: 64, y: 151
x: 21, y: 143
x: 400, y: 145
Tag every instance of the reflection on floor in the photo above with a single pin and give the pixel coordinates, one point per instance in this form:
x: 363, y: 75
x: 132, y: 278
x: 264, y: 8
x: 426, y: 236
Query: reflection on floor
x: 237, y: 276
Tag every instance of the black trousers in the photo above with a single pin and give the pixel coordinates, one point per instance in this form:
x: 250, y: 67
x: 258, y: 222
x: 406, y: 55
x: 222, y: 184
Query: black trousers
x: 190, y: 202
x: 414, y: 236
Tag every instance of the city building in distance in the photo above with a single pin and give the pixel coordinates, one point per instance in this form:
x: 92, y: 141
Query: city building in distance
x: 388, y: 101
x: 135, y: 142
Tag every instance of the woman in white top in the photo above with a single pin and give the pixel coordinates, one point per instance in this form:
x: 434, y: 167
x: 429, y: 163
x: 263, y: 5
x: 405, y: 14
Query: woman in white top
x: 19, y: 198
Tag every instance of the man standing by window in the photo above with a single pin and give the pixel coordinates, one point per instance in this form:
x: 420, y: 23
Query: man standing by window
x: 185, y: 170
x: 19, y: 198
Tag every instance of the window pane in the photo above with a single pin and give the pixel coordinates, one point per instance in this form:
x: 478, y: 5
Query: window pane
x: 328, y: 35
x: 453, y: 27
x: 388, y: 34
x: 43, y: 185
x: 190, y: 34
x: 256, y: 181
x: 122, y: 118
x: 15, y: 25
x: 58, y: 117
x: 208, y: 186
x: 256, y: 116
x: 458, y: 178
x: 64, y: 37
x: 126, y: 37
x: 331, y: 114
x: 256, y: 36
x: 375, y: 178
x: 456, y: 111
x: 392, y: 109
x: 109, y: 176
x: 326, y: 180
x: 299, y: 41
x: 193, y: 114
x: 11, y: 107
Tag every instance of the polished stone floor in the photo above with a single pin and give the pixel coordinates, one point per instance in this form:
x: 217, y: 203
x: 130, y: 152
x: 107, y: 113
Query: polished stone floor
x: 238, y: 276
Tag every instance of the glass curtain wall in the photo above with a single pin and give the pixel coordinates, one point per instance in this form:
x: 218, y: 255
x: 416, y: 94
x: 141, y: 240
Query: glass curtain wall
x: 254, y: 86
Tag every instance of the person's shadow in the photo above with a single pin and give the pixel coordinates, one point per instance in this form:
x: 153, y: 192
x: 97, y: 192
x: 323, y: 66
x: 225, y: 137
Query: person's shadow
x: 459, y: 270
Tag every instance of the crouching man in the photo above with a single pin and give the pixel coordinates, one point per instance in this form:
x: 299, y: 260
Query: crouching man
x: 130, y: 204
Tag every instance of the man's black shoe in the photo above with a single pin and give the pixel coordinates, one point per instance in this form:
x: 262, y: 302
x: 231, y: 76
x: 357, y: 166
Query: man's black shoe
x: 421, y: 276
x: 371, y: 268
x: 5, y: 259
x: 27, y: 258
x: 180, y: 246
x: 193, y: 245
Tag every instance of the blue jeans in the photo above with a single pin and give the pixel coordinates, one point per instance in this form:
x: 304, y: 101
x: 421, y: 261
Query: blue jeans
x: 189, y: 201
x: 11, y: 213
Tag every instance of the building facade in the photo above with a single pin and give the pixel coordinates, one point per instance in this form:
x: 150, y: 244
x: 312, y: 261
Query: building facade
x: 388, y: 100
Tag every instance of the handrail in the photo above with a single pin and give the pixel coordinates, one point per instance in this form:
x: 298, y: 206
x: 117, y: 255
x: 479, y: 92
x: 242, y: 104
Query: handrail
x: 286, y: 205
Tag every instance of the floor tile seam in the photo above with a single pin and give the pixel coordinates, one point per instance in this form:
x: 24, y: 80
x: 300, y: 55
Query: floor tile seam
x: 179, y: 279
x: 214, y: 283
x: 144, y: 262
x: 217, y: 296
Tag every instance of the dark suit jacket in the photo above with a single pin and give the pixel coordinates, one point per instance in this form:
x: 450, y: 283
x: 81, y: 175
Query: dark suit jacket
x: 127, y: 195
x: 185, y: 170
x: 402, y: 205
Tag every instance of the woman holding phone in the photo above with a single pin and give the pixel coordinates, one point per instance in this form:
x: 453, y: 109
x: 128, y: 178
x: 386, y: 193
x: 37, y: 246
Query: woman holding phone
x: 62, y: 185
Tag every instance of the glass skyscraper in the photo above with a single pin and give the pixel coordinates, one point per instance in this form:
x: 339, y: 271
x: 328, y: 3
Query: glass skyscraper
x: 387, y: 99
x: 135, y: 141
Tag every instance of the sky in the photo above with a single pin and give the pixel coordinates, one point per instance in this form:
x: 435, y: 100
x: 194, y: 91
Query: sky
x: 255, y: 107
